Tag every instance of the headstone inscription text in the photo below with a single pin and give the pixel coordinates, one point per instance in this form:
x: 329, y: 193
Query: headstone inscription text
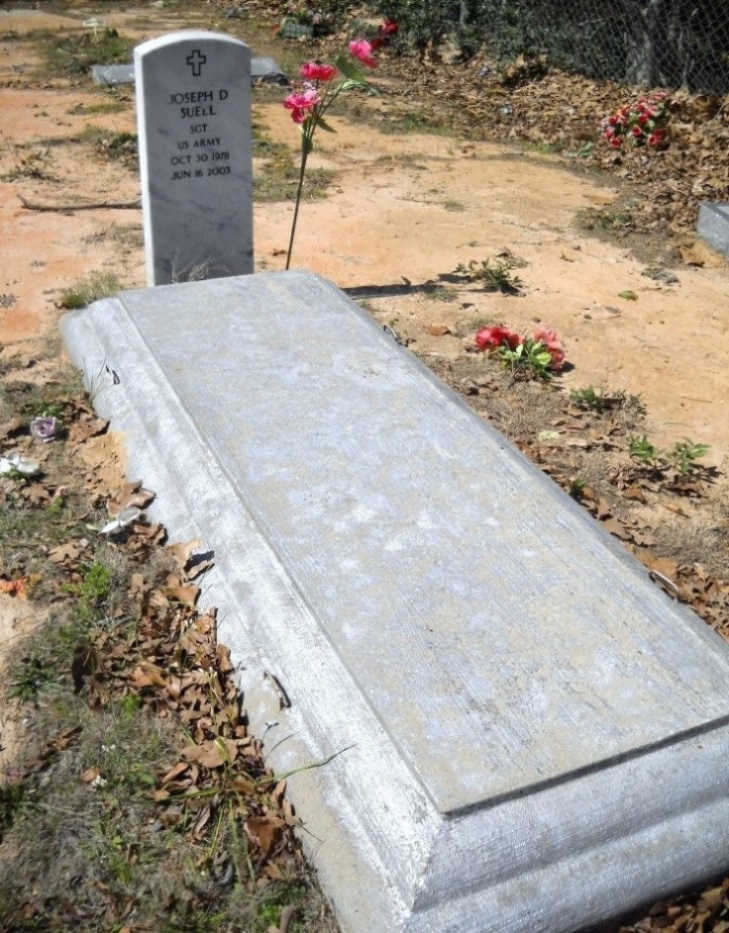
x: 193, y: 115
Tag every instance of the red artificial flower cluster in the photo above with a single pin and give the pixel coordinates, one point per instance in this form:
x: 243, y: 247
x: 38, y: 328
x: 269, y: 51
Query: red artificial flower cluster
x: 497, y: 338
x: 302, y: 102
x: 385, y: 31
x: 491, y: 338
x: 642, y: 123
x: 317, y: 71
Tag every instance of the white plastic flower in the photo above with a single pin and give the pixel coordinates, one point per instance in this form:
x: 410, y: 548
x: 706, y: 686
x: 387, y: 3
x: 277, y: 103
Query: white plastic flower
x: 14, y: 463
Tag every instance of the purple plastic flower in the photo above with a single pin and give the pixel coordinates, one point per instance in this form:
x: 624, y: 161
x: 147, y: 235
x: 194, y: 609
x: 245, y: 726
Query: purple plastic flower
x: 45, y: 428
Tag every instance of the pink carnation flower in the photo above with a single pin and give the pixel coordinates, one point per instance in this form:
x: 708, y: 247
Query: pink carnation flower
x: 316, y: 71
x: 551, y: 342
x: 300, y: 102
x: 362, y: 50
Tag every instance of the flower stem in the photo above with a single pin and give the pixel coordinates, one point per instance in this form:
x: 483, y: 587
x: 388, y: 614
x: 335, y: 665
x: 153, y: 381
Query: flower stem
x: 305, y: 149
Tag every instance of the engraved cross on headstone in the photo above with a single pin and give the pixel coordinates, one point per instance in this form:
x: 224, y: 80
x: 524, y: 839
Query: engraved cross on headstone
x: 196, y: 60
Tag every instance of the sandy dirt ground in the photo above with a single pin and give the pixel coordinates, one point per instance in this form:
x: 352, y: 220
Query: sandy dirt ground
x: 410, y: 206
x: 400, y: 208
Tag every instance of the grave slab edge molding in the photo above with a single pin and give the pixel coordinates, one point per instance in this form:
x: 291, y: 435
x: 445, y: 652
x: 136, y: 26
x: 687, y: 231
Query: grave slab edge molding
x: 258, y: 608
x: 463, y: 874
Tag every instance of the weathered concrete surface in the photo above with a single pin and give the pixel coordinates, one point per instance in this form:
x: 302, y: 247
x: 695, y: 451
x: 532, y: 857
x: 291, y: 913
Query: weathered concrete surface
x: 539, y: 734
x: 713, y: 226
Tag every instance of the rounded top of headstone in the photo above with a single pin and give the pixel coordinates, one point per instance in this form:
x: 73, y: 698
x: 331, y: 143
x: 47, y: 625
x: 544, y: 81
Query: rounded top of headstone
x: 186, y: 35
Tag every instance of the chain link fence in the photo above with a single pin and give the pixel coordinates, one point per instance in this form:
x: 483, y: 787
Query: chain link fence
x: 659, y: 43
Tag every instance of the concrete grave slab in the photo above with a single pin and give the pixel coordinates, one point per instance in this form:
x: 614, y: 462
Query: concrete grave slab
x: 194, y: 122
x: 111, y: 75
x: 533, y: 736
x: 262, y: 69
x: 713, y: 226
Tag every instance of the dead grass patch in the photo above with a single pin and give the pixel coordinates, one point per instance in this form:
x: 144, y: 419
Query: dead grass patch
x: 114, y: 811
x: 702, y: 538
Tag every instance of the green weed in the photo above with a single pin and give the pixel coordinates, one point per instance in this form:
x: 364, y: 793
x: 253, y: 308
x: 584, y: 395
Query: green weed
x: 471, y: 324
x: 97, y: 285
x: 91, y: 592
x: 530, y: 358
x: 103, y: 106
x: 277, y: 175
x: 112, y: 145
x: 591, y: 399
x: 55, y: 508
x: 496, y: 276
x: 33, y: 677
x: 682, y: 457
x: 27, y: 163
x: 684, y: 454
x: 74, y: 54
x: 578, y: 484
x: 644, y: 452
x: 440, y: 293
x: 15, y: 801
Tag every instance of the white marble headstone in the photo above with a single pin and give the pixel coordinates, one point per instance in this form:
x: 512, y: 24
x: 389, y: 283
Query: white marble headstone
x: 194, y: 123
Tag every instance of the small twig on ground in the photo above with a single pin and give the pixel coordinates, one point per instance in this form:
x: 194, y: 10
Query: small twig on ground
x: 101, y: 205
x: 287, y: 915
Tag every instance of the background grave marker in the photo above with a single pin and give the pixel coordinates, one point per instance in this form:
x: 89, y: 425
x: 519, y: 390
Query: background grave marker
x: 713, y: 226
x: 193, y: 115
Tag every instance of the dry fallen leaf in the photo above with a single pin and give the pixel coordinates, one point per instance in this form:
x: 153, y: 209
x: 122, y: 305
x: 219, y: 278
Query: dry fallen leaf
x: 131, y: 495
x: 183, y: 553
x: 635, y: 493
x: 225, y: 665
x: 187, y: 594
x: 147, y: 674
x: 65, y: 552
x: 264, y: 831
x: 666, y: 566
x: 86, y: 427
x: 174, y: 773
x: 14, y: 587
x: 437, y: 330
x: 11, y: 428
x: 212, y: 754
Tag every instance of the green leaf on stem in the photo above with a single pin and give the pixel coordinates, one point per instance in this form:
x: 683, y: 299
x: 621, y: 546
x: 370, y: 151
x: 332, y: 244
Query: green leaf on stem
x: 346, y: 85
x: 325, y: 126
x: 350, y: 71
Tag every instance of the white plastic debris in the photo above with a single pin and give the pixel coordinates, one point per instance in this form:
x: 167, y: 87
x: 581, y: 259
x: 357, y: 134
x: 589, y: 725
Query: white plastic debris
x: 14, y: 463
x: 128, y: 515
